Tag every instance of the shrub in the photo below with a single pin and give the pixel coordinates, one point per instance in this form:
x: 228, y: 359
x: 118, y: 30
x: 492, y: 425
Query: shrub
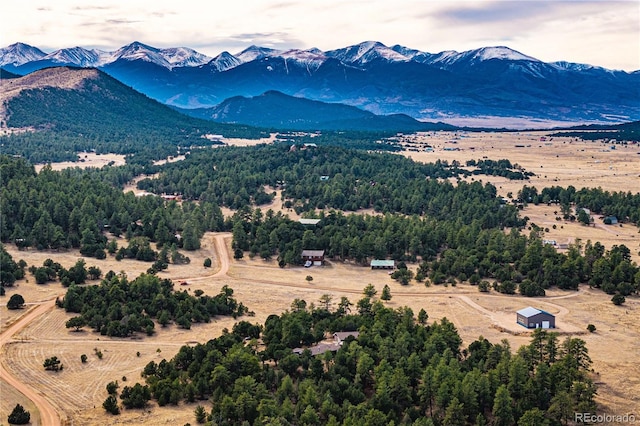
x: 16, y: 301
x: 618, y: 299
x: 591, y: 328
x: 19, y: 416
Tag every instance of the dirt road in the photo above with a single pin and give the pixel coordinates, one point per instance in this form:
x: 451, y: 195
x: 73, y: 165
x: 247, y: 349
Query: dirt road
x: 48, y: 414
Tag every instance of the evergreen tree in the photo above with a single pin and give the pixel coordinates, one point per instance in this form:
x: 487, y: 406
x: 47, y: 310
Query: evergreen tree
x: 503, y: 407
x: 19, y: 416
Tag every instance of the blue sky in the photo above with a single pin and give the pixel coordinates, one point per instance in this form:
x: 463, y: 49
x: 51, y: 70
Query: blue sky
x: 602, y: 33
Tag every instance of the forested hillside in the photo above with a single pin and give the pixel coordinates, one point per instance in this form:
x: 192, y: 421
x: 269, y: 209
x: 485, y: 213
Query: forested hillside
x: 104, y: 115
x: 398, y: 370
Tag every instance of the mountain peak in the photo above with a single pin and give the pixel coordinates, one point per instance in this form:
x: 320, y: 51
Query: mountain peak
x: 224, y: 61
x: 254, y: 52
x: 76, y: 56
x: 366, y: 52
x: 19, y: 53
x: 501, y: 52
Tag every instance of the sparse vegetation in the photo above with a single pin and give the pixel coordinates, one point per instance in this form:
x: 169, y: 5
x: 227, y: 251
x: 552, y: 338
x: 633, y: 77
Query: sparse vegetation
x: 52, y: 364
x: 19, y: 416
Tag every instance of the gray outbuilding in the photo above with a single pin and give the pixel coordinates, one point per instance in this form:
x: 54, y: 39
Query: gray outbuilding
x: 535, y: 318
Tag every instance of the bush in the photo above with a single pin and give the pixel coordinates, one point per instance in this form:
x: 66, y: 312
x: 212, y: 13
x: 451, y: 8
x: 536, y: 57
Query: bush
x: 19, y: 416
x: 52, y: 364
x: 83, y: 358
x: 207, y: 262
x: 15, y: 302
x: 618, y: 299
x: 111, y: 405
x: 591, y: 328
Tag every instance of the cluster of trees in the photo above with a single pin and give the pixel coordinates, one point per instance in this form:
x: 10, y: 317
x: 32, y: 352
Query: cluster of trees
x: 499, y: 168
x: 624, y: 205
x: 10, y: 271
x: 618, y: 133
x: 365, y: 140
x: 74, y: 208
x: 448, y: 250
x: 398, y: 370
x: 119, y: 307
x: 329, y: 177
x: 77, y: 274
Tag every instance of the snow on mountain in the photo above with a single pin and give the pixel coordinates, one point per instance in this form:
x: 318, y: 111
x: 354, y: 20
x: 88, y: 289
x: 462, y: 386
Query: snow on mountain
x: 254, y: 52
x: 412, y: 54
x: 184, y: 57
x: 139, y: 51
x: 19, y: 53
x: 224, y: 61
x: 76, y: 56
x: 310, y: 59
x: 563, y: 65
x: 451, y: 57
x: 366, y: 52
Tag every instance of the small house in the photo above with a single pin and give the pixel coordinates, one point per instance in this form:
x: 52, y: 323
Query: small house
x: 610, y: 220
x: 383, y: 264
x: 316, y: 257
x: 535, y: 318
x: 310, y: 222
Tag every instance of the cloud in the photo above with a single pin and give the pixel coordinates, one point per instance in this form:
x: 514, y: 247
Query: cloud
x: 120, y: 21
x: 492, y: 12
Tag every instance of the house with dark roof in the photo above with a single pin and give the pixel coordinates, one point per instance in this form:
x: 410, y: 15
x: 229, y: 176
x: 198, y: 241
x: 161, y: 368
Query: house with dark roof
x: 316, y: 257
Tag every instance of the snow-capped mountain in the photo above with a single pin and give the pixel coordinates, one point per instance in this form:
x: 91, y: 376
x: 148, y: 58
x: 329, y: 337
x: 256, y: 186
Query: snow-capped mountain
x: 310, y: 59
x: 487, y: 82
x: 184, y: 57
x: 366, y: 52
x: 18, y: 54
x: 75, y: 56
x: 224, y: 61
x: 471, y: 57
x: 253, y: 53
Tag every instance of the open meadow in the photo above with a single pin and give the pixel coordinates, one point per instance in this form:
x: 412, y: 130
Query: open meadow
x: 78, y: 391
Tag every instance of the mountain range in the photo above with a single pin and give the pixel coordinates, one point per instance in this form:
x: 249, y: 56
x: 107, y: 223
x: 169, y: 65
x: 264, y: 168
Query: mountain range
x: 277, y: 110
x: 489, y: 86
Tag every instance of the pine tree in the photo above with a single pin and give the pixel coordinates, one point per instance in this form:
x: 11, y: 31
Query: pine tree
x: 386, y: 293
x: 503, y: 407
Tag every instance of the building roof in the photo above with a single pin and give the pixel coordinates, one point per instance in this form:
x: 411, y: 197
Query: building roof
x: 312, y: 253
x: 341, y: 335
x: 529, y: 312
x: 382, y: 262
x: 309, y: 221
x: 318, y: 349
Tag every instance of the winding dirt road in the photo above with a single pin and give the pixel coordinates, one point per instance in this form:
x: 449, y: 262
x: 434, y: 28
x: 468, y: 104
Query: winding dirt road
x: 48, y: 414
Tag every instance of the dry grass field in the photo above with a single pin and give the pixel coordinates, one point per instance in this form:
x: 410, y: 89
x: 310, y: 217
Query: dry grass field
x: 79, y: 390
x: 86, y: 160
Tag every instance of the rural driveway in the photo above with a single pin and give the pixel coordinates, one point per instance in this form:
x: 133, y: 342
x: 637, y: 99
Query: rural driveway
x: 48, y: 414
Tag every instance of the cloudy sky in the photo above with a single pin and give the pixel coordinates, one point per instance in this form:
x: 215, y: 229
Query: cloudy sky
x: 604, y: 33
